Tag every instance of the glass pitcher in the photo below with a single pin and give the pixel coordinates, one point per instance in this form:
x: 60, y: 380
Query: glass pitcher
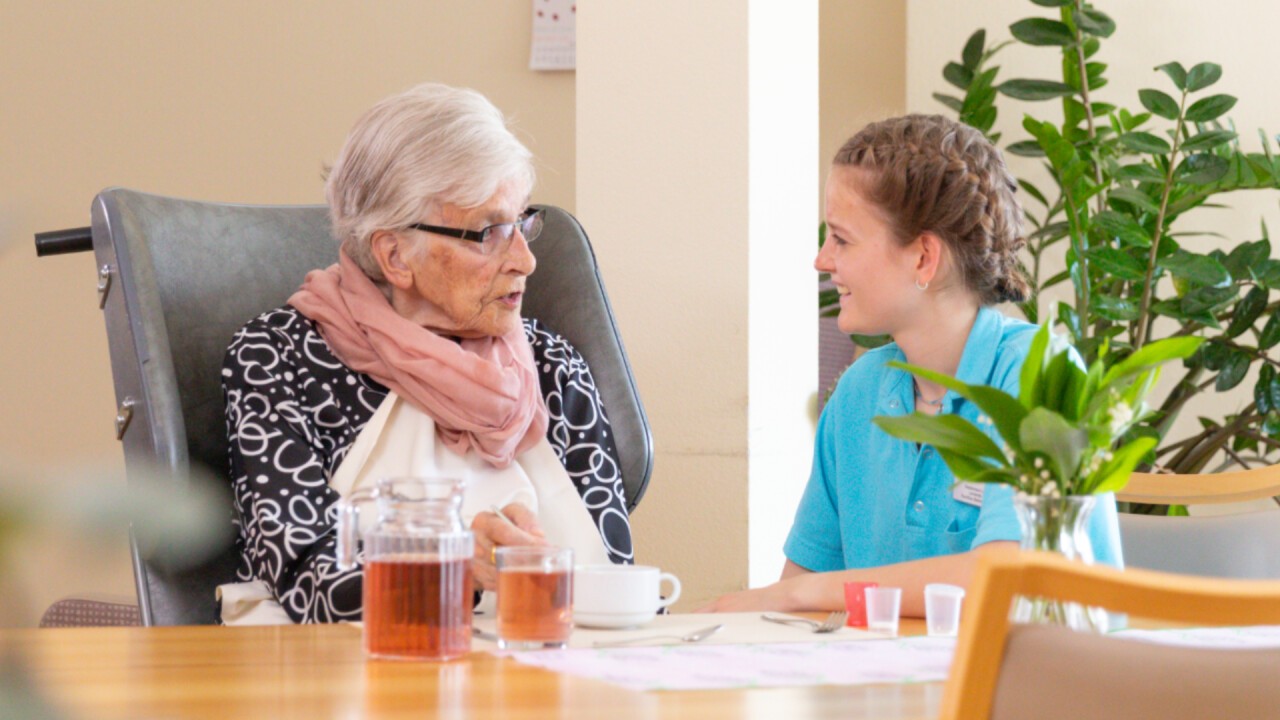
x: 417, y: 567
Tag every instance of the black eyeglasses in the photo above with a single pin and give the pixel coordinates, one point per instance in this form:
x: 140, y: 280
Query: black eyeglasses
x: 495, y: 238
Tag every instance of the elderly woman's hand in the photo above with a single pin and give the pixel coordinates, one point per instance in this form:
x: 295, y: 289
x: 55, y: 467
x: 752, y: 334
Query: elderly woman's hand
x: 493, y: 532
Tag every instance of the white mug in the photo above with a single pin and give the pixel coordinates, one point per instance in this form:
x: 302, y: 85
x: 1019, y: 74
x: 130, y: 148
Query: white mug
x: 615, y: 596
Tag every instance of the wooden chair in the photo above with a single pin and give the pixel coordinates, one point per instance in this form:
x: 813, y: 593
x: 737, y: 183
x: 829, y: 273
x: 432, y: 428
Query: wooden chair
x: 1243, y: 546
x: 1202, y: 489
x: 1004, y: 671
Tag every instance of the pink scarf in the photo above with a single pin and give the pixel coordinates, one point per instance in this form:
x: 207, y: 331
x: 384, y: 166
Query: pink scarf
x: 482, y: 393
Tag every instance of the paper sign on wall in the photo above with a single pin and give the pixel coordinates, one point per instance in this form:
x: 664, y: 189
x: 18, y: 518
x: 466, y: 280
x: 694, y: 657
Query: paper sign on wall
x: 554, y: 44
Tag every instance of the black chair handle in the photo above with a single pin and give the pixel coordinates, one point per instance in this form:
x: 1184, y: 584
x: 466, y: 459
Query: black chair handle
x: 60, y: 242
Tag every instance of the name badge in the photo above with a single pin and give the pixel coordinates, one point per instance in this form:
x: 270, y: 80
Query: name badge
x: 969, y: 493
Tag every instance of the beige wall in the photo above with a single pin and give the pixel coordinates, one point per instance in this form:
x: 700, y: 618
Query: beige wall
x: 863, y: 74
x: 228, y: 100
x: 672, y: 247
x: 1237, y: 34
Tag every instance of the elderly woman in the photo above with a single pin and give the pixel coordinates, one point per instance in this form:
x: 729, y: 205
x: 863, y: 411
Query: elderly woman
x: 410, y: 357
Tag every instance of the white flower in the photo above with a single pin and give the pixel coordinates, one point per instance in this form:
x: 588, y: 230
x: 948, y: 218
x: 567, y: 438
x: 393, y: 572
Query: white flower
x: 1044, y: 475
x: 1039, y: 463
x: 1121, y: 416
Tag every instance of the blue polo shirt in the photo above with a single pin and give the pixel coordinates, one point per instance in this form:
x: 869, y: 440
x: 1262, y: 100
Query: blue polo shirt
x: 873, y: 499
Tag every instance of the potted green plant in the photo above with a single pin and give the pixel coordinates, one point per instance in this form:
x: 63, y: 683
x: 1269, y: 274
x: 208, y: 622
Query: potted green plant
x: 1066, y: 437
x: 1123, y: 179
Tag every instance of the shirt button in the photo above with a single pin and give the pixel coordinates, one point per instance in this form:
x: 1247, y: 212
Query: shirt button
x: 919, y: 506
x: 893, y: 403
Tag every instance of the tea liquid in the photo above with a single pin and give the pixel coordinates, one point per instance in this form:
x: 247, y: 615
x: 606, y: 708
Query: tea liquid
x: 417, y: 610
x: 535, y: 606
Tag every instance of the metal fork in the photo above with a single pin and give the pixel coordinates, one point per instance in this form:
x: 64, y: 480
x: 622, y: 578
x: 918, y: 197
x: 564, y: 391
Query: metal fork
x: 834, y: 621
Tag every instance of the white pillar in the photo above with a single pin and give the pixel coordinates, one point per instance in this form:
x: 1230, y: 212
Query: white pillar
x: 696, y: 160
x: 782, y: 321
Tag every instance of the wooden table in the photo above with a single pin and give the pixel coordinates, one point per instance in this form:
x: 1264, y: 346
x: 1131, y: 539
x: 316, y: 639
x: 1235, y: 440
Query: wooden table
x: 318, y: 672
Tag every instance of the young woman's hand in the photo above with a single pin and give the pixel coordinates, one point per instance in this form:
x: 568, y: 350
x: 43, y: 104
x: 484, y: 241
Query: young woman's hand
x: 778, y: 597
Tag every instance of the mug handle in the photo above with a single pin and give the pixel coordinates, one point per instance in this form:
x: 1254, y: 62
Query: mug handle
x: 675, y: 589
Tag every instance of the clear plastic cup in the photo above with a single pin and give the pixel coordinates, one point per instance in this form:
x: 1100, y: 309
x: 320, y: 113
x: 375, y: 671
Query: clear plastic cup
x: 942, y: 609
x: 883, y: 604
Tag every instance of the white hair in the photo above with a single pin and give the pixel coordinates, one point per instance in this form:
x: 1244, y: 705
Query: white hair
x: 429, y: 145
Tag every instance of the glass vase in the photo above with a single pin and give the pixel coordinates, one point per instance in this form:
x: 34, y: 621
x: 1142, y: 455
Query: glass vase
x: 1059, y: 525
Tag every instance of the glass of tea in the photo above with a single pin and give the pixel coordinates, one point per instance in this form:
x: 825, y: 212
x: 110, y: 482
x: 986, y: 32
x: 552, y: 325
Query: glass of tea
x: 417, y: 567
x: 535, y: 597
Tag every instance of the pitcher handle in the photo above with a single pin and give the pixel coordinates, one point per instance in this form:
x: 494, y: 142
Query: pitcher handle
x: 349, y: 526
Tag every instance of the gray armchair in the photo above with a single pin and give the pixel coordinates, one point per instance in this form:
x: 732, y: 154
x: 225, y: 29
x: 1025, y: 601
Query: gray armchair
x: 177, y: 278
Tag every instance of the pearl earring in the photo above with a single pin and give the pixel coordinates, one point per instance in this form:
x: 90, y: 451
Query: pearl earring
x: 922, y: 287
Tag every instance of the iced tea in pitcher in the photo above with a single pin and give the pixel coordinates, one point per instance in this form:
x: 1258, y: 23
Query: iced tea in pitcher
x: 417, y: 568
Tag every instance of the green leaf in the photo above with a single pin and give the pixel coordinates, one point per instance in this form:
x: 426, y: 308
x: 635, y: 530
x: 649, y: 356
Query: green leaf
x: 1262, y: 390
x: 1123, y: 228
x: 1250, y: 259
x: 964, y: 467
x: 1233, y: 371
x: 1198, y: 269
x: 1034, y: 90
x: 1203, y: 75
x: 1095, y: 22
x: 1209, y: 299
x: 1209, y: 108
x: 1270, y: 332
x: 957, y: 75
x: 1135, y: 197
x: 1119, y: 309
x: 1176, y: 73
x: 1129, y: 122
x: 1150, y: 356
x: 1005, y: 411
x: 944, y: 432
x: 1145, y: 142
x: 1114, y: 474
x: 1247, y: 311
x: 1159, y: 103
x: 1033, y: 367
x: 1118, y: 263
x: 1033, y: 191
x: 1026, y: 148
x: 954, y: 103
x: 1140, y: 172
x: 1202, y: 169
x: 1048, y: 433
x: 972, y: 53
x: 1042, y: 32
x: 1207, y: 140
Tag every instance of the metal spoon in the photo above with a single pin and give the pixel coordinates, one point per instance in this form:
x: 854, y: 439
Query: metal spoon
x: 692, y: 637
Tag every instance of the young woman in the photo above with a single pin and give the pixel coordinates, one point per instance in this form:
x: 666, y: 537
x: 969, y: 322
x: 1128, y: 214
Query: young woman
x: 923, y: 230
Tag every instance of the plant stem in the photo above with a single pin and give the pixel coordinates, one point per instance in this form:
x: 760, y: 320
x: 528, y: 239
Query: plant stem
x: 1193, y: 459
x: 1088, y: 109
x: 1155, y: 236
x: 1235, y: 456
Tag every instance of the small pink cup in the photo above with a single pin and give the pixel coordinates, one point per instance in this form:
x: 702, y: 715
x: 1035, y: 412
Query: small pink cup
x: 855, y: 602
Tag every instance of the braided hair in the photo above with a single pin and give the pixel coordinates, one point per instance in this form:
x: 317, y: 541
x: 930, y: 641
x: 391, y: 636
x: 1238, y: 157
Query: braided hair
x: 930, y: 173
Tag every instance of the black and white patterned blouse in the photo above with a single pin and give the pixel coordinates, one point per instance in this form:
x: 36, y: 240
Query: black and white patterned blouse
x: 293, y: 412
